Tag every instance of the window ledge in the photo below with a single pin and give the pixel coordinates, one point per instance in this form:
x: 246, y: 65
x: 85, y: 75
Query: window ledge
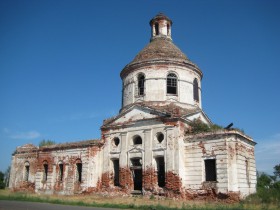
x: 139, y: 96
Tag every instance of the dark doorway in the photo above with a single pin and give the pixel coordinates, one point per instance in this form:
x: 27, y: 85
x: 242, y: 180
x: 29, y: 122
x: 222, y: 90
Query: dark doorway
x: 116, y: 172
x: 137, y: 178
x: 160, y: 171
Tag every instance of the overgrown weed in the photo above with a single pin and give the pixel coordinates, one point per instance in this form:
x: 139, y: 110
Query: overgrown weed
x: 253, y: 202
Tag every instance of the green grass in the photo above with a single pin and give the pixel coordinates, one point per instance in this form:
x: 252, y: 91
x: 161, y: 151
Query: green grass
x: 251, y: 203
x: 25, y: 197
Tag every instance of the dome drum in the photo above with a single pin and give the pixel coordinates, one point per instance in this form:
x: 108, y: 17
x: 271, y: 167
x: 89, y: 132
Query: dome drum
x: 157, y: 88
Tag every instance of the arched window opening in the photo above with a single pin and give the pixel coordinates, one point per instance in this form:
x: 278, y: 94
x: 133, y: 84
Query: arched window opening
x: 137, y: 140
x: 116, y: 141
x: 45, y: 172
x: 79, y: 167
x: 168, y: 28
x: 195, y: 90
x: 141, y: 84
x: 26, y: 171
x: 60, y: 165
x: 160, y: 137
x: 157, y: 28
x: 172, y: 84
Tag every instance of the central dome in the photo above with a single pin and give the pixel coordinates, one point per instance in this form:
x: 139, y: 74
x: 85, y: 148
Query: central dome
x: 160, y: 49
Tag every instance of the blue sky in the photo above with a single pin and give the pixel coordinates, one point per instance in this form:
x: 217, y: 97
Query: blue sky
x: 60, y: 62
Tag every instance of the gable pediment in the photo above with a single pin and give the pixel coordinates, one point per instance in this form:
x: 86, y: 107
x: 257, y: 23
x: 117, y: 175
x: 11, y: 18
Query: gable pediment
x: 141, y: 112
x: 134, y: 114
x: 198, y: 115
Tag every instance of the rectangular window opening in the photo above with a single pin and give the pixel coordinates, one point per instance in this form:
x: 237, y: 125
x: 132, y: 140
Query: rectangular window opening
x: 171, y: 86
x: 210, y: 170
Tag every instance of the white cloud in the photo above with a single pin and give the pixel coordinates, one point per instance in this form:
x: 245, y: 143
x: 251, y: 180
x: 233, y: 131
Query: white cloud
x: 25, y: 135
x: 268, y: 153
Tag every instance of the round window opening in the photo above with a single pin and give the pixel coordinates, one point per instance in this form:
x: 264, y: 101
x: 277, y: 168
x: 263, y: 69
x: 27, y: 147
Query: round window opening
x: 160, y: 137
x: 116, y: 141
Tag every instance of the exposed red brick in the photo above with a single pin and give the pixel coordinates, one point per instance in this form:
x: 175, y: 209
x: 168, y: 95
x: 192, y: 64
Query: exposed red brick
x: 201, y: 145
x: 126, y: 181
x: 107, y: 179
x: 25, y: 187
x: 77, y: 187
x: 173, y: 184
x: 150, y: 179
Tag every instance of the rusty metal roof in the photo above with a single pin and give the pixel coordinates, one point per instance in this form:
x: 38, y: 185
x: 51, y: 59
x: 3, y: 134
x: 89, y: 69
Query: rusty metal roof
x: 160, y: 16
x: 160, y: 48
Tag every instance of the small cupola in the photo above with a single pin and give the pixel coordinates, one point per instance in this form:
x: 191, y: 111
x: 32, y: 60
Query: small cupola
x: 161, y: 27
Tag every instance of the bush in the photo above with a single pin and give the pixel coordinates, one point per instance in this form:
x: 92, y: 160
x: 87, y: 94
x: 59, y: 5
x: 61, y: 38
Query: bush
x: 46, y: 143
x: 2, y: 182
x: 268, y: 191
x: 197, y: 126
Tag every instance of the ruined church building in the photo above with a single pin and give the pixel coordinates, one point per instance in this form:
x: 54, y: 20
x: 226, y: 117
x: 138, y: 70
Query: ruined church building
x: 152, y: 146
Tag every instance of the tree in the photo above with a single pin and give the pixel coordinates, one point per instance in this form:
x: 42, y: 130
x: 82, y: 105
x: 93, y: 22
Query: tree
x: 277, y: 170
x: 46, y: 143
x: 2, y: 183
x: 7, y: 176
x: 263, y: 181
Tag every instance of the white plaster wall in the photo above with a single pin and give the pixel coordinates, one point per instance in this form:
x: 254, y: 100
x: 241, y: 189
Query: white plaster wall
x: 148, y: 151
x: 17, y: 172
x: 155, y: 85
x: 246, y: 176
x: 196, y: 151
x: 230, y: 152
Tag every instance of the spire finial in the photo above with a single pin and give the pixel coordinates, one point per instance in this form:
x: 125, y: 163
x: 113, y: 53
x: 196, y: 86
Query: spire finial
x: 161, y: 26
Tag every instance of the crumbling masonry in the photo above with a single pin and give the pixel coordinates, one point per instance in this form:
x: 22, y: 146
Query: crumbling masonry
x: 149, y: 147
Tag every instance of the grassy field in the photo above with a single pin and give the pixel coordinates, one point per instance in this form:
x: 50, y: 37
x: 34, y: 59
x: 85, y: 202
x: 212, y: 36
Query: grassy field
x: 137, y: 202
